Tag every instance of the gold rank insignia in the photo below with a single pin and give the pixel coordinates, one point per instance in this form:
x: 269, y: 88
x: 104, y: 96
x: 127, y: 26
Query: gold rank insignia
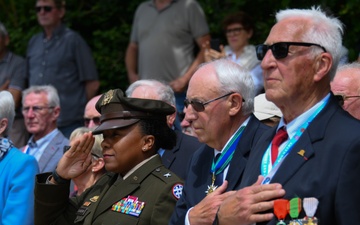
x: 107, y: 97
x: 94, y: 199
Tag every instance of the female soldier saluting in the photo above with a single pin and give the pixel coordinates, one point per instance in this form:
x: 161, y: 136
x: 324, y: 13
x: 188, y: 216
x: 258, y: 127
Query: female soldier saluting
x: 137, y: 190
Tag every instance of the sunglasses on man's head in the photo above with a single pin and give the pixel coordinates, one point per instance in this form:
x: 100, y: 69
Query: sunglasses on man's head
x: 45, y: 8
x: 281, y: 49
x: 198, y: 106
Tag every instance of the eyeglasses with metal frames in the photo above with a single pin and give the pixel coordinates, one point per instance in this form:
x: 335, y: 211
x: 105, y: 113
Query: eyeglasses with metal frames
x: 35, y: 109
x: 236, y: 30
x: 199, y: 106
x: 281, y: 49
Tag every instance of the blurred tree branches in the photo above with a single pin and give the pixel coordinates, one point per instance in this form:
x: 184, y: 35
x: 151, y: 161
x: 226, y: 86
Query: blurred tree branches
x: 106, y: 26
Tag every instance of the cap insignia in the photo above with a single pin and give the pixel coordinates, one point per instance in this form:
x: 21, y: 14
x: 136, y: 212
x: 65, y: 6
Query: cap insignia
x: 107, y: 98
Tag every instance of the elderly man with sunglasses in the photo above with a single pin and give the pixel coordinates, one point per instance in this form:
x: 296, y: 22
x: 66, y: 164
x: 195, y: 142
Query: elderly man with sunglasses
x: 91, y: 115
x: 60, y: 57
x: 220, y: 102
x: 317, y: 163
x: 346, y: 87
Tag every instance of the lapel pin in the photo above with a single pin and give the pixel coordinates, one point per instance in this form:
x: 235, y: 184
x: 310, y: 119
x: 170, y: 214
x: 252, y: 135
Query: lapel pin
x: 302, y: 153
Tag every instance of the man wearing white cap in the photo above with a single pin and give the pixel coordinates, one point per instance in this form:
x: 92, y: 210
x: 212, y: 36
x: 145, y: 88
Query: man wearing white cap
x: 266, y: 111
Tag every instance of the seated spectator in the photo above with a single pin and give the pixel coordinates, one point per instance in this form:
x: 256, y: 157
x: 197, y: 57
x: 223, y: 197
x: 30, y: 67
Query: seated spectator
x: 91, y: 115
x: 346, y: 86
x: 239, y: 28
x: 266, y: 111
x: 41, y: 109
x: 96, y: 169
x: 186, y: 126
x: 17, y: 171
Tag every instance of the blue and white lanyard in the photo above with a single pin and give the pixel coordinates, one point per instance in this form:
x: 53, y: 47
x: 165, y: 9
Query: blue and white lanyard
x: 265, y: 163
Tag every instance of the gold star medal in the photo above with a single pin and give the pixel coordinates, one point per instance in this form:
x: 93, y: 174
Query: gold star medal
x: 212, y: 187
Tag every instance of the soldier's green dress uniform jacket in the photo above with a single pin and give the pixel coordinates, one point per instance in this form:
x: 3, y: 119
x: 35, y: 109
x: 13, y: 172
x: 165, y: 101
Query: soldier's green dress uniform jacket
x: 153, y: 184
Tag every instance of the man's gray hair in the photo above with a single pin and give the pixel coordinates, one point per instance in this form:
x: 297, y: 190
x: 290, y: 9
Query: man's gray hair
x: 235, y: 78
x: 163, y: 90
x: 49, y: 90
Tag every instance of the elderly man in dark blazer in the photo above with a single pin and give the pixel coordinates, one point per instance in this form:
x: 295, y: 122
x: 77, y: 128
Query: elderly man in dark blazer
x: 318, y: 162
x: 220, y: 102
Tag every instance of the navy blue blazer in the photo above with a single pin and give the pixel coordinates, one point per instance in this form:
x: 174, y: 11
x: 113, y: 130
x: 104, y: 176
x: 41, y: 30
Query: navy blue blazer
x: 199, y: 176
x: 177, y: 158
x: 329, y: 170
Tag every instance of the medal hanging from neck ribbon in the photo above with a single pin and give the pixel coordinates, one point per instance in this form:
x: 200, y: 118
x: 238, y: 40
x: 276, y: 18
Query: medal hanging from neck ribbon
x: 280, y: 210
x: 224, y: 159
x: 294, y: 209
x: 310, y: 205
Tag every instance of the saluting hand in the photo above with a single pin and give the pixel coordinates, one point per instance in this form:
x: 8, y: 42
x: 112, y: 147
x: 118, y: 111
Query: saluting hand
x: 77, y: 159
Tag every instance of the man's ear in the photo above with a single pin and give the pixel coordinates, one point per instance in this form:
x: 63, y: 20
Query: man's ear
x: 62, y: 12
x: 170, y: 119
x: 56, y: 112
x: 322, y: 66
x: 235, y: 101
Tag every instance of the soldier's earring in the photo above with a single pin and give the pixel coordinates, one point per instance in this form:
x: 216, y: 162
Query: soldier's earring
x: 144, y: 149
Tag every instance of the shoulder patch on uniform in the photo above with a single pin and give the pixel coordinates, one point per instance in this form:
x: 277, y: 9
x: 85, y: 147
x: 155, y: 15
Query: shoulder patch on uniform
x: 177, y: 190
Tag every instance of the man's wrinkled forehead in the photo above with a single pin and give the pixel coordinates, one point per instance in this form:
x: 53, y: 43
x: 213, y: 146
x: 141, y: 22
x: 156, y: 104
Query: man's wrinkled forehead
x: 291, y: 29
x: 203, y: 82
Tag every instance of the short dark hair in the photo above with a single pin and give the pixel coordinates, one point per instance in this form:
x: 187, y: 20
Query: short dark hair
x: 60, y: 3
x: 165, y: 137
x: 240, y: 17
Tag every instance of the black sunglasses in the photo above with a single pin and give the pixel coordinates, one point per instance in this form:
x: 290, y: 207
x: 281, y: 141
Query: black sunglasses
x: 45, y: 8
x: 280, y: 50
x: 341, y: 98
x: 96, y: 121
x: 198, y: 106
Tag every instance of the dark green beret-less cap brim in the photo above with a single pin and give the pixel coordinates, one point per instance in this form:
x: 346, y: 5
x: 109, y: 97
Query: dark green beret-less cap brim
x: 119, y: 111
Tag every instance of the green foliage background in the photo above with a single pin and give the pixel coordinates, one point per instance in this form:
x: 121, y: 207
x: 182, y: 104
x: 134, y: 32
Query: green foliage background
x: 106, y: 25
